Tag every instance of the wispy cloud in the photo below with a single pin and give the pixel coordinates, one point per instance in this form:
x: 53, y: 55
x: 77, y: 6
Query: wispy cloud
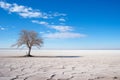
x: 42, y: 32
x: 27, y: 12
x: 2, y: 28
x: 5, y: 5
x: 63, y: 35
x: 59, y: 14
x: 60, y: 28
x: 62, y: 20
x: 40, y: 22
x: 61, y: 31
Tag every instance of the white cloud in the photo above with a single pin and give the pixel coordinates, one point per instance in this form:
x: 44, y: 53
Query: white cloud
x: 19, y: 8
x: 48, y: 31
x: 5, y: 5
x: 61, y: 28
x: 40, y: 22
x: 42, y: 32
x: 27, y: 12
x: 31, y: 15
x: 63, y: 35
x: 63, y: 31
x: 2, y: 29
x: 62, y: 20
x: 59, y: 14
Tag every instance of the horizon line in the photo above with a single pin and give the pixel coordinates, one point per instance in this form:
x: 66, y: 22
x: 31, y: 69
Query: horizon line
x: 60, y: 49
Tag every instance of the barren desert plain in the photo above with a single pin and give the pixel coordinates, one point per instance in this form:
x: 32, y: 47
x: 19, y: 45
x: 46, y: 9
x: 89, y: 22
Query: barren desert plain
x: 83, y: 65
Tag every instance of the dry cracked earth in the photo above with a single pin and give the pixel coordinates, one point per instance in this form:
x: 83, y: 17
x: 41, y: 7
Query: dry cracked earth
x: 82, y: 68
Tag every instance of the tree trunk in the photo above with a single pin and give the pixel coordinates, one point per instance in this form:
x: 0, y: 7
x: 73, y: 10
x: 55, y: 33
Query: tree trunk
x: 29, y: 52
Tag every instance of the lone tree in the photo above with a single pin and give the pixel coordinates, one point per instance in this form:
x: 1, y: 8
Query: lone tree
x: 30, y: 39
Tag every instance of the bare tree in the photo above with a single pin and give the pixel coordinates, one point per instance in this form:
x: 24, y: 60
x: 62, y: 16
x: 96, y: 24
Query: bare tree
x: 30, y: 39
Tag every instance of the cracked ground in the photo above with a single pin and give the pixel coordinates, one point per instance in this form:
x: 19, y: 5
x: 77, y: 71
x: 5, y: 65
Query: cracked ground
x: 80, y: 68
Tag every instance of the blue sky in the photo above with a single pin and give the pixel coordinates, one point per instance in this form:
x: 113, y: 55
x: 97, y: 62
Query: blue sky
x: 63, y: 24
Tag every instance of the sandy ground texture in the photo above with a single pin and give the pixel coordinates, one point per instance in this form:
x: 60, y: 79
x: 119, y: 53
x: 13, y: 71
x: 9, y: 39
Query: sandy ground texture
x: 60, y: 68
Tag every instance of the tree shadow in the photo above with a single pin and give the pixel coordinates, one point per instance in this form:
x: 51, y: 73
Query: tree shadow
x: 40, y: 56
x: 57, y: 56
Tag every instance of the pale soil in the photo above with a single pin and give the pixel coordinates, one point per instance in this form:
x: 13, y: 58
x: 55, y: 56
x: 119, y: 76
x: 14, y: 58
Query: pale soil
x: 76, y: 68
